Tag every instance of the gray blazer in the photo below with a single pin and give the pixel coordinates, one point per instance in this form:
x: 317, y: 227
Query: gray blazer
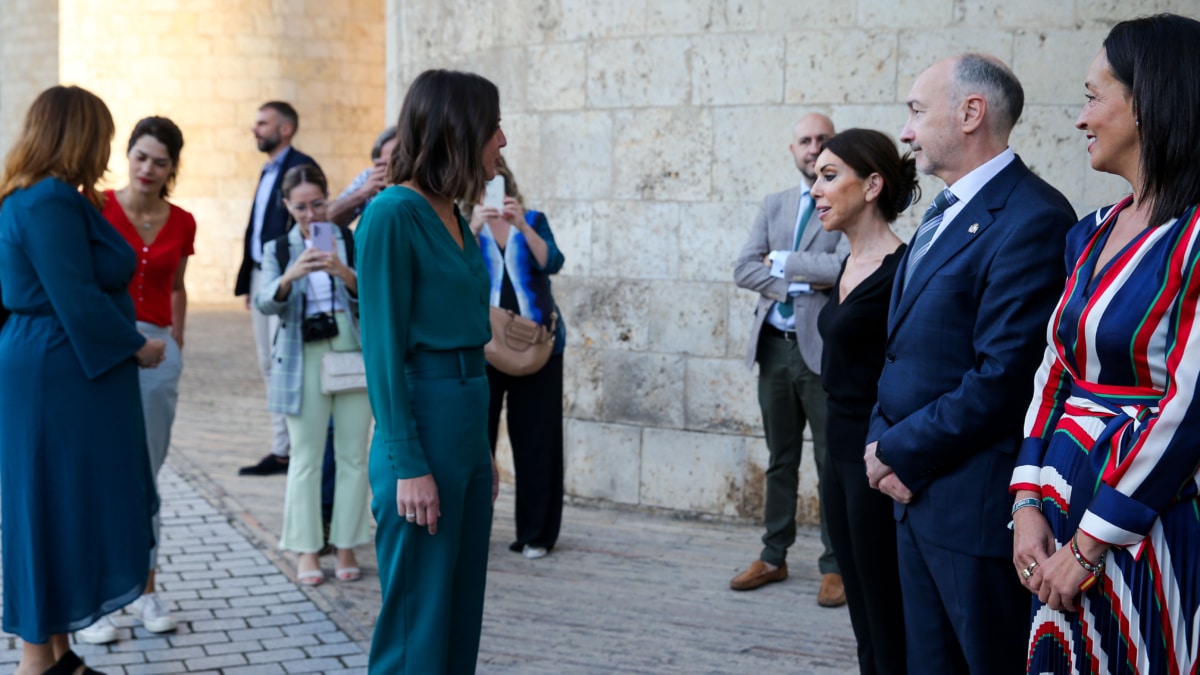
x: 286, y: 386
x: 818, y: 262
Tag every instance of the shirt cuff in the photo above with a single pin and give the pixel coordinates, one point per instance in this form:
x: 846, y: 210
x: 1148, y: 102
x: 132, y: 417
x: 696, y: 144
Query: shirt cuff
x: 1117, y: 519
x: 778, y: 260
x: 1026, y: 477
x: 406, y: 458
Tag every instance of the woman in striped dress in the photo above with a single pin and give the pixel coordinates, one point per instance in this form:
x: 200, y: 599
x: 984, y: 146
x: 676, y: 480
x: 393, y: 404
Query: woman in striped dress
x: 1113, y: 434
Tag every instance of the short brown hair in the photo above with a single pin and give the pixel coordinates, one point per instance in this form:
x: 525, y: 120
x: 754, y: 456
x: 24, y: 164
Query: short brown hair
x: 446, y: 120
x: 67, y: 134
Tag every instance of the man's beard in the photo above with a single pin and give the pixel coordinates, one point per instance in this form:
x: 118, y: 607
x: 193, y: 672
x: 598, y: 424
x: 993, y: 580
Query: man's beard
x: 268, y: 144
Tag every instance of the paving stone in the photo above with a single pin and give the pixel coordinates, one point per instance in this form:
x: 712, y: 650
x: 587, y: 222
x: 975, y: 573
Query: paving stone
x: 221, y: 661
x: 278, y: 655
x: 241, y: 646
x: 256, y: 669
x: 311, y: 665
x: 161, y: 668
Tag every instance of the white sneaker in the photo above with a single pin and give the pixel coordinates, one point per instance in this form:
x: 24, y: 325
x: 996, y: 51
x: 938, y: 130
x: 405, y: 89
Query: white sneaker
x: 150, y: 610
x: 100, y: 633
x: 534, y: 552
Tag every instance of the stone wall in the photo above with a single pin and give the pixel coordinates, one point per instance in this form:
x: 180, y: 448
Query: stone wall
x: 208, y: 65
x: 649, y: 131
x: 28, y: 60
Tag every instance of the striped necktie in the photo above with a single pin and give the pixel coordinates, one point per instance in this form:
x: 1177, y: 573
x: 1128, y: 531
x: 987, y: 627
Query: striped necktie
x: 929, y: 227
x: 806, y: 210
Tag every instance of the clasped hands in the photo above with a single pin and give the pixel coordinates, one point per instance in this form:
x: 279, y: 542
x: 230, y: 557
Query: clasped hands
x: 417, y: 499
x: 1054, y: 576
x: 882, y: 478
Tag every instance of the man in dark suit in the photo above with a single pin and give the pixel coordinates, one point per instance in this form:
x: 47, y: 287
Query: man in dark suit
x: 274, y: 128
x: 966, y: 329
x: 791, y: 262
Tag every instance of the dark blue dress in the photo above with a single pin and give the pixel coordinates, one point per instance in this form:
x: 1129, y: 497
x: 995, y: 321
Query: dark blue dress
x: 76, y: 490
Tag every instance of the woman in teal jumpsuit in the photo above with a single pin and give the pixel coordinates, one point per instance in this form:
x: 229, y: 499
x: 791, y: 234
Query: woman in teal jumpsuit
x: 423, y: 299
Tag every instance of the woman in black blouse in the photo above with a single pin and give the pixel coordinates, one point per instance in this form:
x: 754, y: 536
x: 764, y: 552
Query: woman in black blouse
x: 862, y: 185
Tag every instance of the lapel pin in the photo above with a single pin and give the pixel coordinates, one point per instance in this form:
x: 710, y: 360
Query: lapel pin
x: 973, y: 228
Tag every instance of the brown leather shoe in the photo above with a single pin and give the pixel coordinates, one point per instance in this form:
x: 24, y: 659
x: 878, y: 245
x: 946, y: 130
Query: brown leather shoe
x: 758, y: 574
x: 832, y: 593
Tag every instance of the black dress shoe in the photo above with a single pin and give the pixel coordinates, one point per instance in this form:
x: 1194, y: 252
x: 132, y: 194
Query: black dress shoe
x: 68, y: 665
x: 271, y: 464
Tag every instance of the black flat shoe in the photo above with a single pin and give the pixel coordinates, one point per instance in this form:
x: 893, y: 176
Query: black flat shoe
x: 69, y: 664
x: 270, y: 465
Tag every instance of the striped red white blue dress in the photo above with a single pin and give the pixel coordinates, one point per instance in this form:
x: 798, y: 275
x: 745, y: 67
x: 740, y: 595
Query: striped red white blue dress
x: 1113, y: 446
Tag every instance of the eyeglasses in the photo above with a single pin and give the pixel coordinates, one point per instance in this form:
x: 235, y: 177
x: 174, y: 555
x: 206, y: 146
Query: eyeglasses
x: 305, y: 206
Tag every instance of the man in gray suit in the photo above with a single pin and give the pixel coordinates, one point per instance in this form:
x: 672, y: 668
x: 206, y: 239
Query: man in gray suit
x: 791, y: 262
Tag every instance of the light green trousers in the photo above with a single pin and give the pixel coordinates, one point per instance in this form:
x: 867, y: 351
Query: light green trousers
x: 350, y: 524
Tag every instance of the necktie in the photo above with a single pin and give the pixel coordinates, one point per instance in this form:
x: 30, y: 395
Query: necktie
x: 806, y: 211
x: 929, y: 226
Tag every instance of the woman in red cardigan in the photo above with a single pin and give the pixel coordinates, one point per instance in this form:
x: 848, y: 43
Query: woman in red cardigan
x: 161, y: 234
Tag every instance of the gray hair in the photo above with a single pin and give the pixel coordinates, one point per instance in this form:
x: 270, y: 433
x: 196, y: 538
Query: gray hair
x: 387, y: 135
x: 990, y: 78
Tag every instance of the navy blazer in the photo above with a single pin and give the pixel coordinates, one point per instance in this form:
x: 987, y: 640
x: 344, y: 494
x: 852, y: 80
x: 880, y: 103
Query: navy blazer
x: 275, y: 220
x: 964, y: 340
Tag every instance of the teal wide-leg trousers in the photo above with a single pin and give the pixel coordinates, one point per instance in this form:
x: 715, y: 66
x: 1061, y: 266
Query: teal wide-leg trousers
x: 433, y: 585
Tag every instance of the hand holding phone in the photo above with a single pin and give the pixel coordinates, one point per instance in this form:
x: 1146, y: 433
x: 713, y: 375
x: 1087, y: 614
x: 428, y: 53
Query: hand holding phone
x: 322, y: 236
x: 494, y: 195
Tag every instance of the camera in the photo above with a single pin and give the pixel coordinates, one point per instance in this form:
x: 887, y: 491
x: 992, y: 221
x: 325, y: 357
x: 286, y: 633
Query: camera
x: 319, y: 326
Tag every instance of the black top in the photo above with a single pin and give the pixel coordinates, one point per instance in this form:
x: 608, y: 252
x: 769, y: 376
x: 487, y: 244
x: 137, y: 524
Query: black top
x: 855, y: 334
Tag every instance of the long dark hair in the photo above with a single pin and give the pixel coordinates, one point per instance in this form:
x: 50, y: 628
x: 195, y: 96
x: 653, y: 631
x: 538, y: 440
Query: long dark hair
x: 868, y: 151
x: 166, y: 132
x: 1157, y: 58
x: 446, y: 120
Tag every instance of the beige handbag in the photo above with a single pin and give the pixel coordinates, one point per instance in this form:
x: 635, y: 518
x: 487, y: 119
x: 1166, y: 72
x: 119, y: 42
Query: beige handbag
x: 519, y: 346
x: 343, y: 372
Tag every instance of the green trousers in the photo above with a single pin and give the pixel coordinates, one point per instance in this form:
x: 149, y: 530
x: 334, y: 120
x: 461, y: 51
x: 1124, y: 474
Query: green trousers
x: 790, y: 395
x: 350, y: 525
x: 433, y: 585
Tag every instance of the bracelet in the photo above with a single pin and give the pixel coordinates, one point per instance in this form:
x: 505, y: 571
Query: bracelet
x: 1027, y: 502
x: 1095, y: 570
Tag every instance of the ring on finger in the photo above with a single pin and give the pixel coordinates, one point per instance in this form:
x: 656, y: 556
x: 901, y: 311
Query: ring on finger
x: 410, y: 516
x: 1028, y: 571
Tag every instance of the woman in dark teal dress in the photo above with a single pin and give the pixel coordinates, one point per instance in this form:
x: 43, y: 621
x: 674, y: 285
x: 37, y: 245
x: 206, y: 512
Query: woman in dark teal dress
x: 423, y: 299
x: 76, y: 490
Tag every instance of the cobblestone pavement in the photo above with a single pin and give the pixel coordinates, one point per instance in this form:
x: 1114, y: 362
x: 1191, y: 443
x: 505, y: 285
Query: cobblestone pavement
x: 625, y: 591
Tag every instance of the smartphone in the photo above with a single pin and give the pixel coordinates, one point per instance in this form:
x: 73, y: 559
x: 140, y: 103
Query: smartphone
x: 494, y: 195
x: 322, y: 236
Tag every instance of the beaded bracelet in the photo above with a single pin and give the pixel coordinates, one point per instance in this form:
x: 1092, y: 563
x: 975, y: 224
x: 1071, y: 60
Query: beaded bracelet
x: 1095, y: 570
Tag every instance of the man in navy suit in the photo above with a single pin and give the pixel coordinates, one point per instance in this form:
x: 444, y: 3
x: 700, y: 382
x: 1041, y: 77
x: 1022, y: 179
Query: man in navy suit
x: 966, y: 330
x: 274, y: 128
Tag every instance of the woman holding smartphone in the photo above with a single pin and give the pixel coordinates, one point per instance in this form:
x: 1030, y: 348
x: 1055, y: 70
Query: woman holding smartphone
x: 425, y: 322
x: 520, y: 253
x: 314, y: 289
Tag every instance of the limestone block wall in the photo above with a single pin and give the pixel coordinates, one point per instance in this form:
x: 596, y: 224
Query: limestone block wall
x: 28, y: 60
x: 650, y: 130
x: 208, y: 65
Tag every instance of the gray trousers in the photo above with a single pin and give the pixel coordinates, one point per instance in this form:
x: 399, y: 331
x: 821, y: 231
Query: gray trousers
x: 790, y: 396
x: 160, y: 394
x: 264, y: 334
